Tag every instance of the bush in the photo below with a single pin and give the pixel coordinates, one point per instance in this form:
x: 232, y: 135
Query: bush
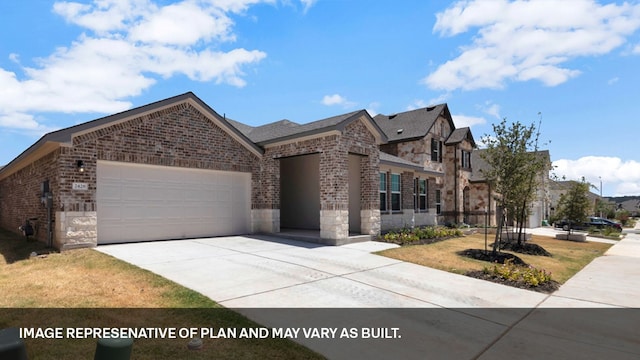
x: 622, y: 216
x: 527, y: 274
x: 610, y: 231
x: 403, y: 236
x: 408, y: 235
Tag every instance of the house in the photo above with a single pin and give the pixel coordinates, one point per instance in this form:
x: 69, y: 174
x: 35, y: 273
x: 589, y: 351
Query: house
x: 176, y: 169
x: 427, y: 168
x: 484, y: 196
x: 557, y: 188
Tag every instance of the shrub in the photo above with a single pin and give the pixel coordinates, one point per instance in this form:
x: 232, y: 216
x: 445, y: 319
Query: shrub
x: 610, y: 231
x: 622, y: 216
x: 527, y: 274
x: 407, y: 235
x: 403, y: 236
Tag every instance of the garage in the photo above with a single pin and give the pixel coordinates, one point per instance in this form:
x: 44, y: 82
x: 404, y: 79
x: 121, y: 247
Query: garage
x: 137, y: 202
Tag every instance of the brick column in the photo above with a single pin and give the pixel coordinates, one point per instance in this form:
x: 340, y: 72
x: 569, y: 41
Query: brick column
x: 265, y: 202
x: 334, y: 192
x: 370, y: 188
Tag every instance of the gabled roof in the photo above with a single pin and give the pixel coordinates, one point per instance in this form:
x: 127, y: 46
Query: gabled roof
x: 412, y: 124
x: 55, y: 139
x: 459, y: 135
x: 478, y: 164
x: 284, y: 130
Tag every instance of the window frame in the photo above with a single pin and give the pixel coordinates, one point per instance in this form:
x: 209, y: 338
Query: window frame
x: 422, y: 195
x: 438, y: 201
x: 396, y: 193
x: 436, y: 150
x: 384, y: 204
x: 465, y: 159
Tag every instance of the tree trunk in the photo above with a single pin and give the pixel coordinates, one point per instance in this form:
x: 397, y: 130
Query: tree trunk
x: 496, y: 243
x: 522, y: 216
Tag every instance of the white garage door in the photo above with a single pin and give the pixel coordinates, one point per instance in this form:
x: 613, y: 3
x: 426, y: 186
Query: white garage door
x: 142, y: 202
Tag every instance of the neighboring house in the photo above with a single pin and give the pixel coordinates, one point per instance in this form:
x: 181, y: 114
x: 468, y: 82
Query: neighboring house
x: 427, y: 186
x: 484, y: 197
x: 558, y: 188
x: 631, y: 205
x: 177, y: 169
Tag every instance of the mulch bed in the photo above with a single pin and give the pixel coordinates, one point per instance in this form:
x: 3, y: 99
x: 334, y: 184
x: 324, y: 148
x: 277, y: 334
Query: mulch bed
x: 525, y: 248
x: 490, y: 257
x: 547, y: 287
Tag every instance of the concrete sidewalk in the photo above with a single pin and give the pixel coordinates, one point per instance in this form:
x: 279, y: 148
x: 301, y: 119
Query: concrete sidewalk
x: 495, y: 321
x: 610, y: 280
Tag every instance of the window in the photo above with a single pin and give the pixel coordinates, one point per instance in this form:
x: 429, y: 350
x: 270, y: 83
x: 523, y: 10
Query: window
x: 422, y: 195
x: 415, y: 193
x: 383, y: 191
x: 395, y: 192
x: 466, y: 159
x: 438, y: 202
x: 436, y: 150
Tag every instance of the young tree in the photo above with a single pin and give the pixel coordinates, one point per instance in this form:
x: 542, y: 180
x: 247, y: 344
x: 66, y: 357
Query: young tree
x: 574, y: 205
x: 513, y: 171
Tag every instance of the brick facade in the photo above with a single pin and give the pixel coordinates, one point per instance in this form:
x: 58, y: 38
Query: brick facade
x: 334, y: 150
x: 20, y: 195
x: 185, y: 134
x: 179, y: 136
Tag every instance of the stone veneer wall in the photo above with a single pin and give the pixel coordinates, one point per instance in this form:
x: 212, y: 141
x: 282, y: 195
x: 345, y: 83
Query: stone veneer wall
x: 75, y: 229
x: 457, y: 179
x: 481, y: 201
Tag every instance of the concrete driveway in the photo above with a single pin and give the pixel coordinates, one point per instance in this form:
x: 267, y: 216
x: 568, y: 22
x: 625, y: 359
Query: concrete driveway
x: 248, y: 273
x: 270, y: 272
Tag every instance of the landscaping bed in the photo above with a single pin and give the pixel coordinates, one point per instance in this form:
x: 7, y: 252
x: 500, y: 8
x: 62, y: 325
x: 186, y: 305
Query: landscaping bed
x: 468, y: 256
x: 420, y: 236
x: 546, y: 287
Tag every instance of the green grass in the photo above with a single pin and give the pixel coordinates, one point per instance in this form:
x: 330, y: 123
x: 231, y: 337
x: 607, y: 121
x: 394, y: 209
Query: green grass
x: 86, y: 286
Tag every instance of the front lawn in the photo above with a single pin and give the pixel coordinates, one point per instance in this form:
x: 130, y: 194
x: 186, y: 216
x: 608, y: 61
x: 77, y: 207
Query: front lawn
x: 567, y: 258
x: 87, y: 288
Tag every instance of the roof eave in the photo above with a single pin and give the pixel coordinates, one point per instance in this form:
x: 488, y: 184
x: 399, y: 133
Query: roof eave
x: 336, y: 128
x: 415, y: 168
x: 41, y: 148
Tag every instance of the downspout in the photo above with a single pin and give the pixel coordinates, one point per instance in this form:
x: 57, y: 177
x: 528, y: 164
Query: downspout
x: 489, y: 198
x: 455, y: 183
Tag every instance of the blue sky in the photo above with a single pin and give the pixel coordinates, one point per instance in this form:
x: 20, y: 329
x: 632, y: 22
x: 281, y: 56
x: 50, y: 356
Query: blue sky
x: 571, y: 64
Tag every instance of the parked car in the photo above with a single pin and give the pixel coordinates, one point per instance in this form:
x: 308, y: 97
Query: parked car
x: 592, y: 222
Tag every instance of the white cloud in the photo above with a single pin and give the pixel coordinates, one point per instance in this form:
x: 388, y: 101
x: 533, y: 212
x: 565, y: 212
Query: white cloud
x: 126, y: 46
x: 613, y: 80
x: 467, y: 121
x: 372, y: 109
x: 622, y: 177
x: 183, y: 24
x: 636, y: 49
x: 492, y: 109
x: 528, y: 40
x: 337, y: 99
x: 308, y: 4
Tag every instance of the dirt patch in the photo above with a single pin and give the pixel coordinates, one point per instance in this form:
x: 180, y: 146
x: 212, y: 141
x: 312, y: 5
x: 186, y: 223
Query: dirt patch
x: 546, y: 287
x: 490, y: 257
x: 525, y: 248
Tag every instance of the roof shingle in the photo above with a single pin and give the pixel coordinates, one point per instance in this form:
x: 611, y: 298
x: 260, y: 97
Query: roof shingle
x: 410, y: 124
